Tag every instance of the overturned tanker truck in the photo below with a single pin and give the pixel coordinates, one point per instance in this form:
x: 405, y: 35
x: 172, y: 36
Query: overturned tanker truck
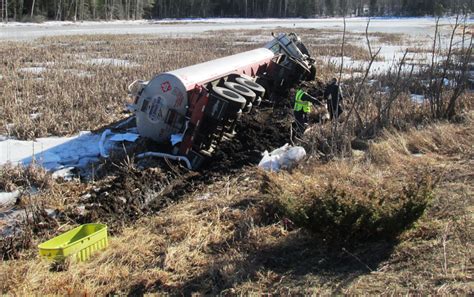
x: 195, y: 108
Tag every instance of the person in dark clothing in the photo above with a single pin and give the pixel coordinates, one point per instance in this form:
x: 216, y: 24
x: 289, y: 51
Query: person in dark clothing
x: 333, y: 96
x: 302, y: 108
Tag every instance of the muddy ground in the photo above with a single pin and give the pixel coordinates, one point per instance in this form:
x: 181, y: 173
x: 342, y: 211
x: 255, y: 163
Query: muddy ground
x: 128, y: 193
x: 123, y: 191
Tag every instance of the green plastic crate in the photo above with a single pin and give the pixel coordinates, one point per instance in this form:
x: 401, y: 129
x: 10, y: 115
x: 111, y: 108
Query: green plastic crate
x: 79, y: 242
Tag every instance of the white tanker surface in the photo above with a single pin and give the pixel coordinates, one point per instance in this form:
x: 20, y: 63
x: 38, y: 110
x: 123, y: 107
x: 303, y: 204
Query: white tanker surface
x: 163, y: 102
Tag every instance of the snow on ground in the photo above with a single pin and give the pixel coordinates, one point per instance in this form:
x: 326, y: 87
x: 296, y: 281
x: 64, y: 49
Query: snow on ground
x: 111, y: 62
x: 8, y: 198
x: 59, y: 154
x: 33, y: 70
x: 360, y: 66
x: 420, y: 99
x: 169, y: 27
x: 52, y: 153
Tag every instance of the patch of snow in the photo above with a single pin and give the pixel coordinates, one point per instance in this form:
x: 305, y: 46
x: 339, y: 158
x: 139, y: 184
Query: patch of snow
x: 10, y: 126
x: 8, y: 198
x: 36, y: 115
x: 53, y: 153
x: 377, y: 67
x: 33, y: 70
x: 354, y: 74
x: 449, y: 83
x: 205, y: 196
x: 66, y: 173
x: 176, y: 138
x: 111, y: 62
x: 373, y: 82
x: 70, y: 23
x: 419, y: 99
x: 423, y: 27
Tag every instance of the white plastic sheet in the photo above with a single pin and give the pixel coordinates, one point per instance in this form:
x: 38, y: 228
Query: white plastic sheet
x: 282, y: 158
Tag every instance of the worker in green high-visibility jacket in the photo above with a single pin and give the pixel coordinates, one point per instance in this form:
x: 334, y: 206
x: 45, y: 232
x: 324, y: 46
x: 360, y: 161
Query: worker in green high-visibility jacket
x: 302, y: 108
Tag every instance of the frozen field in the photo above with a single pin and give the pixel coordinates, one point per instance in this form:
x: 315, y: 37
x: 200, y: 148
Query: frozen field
x: 98, y: 60
x: 27, y: 31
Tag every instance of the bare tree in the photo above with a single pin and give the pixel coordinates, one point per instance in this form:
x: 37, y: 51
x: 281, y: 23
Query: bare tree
x: 32, y: 8
x: 342, y: 49
x: 355, y: 98
x: 461, y: 76
x: 453, y: 71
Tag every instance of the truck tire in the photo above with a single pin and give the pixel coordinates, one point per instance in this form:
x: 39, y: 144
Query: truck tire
x: 255, y: 87
x: 242, y: 90
x: 232, y: 97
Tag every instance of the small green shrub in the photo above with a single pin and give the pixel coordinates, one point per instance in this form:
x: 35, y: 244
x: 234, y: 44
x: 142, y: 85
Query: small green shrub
x: 342, y: 213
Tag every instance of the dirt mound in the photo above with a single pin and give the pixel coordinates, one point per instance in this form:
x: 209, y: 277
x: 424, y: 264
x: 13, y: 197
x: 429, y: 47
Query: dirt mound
x: 127, y: 196
x: 256, y: 132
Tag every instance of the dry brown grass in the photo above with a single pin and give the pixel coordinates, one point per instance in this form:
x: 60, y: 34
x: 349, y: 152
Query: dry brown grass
x: 164, y: 253
x: 52, y: 86
x: 72, y: 93
x: 441, y: 139
x: 32, y: 176
x: 223, y: 237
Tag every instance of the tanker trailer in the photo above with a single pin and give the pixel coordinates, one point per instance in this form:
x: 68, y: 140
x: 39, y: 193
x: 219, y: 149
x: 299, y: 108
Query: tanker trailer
x: 193, y: 109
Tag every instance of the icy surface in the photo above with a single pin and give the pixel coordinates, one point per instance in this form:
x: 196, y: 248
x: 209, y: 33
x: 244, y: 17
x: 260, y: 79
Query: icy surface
x: 53, y: 153
x: 28, y: 31
x: 61, y: 154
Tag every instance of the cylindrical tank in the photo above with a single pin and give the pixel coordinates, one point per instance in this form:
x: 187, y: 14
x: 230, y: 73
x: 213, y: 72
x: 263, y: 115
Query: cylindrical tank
x: 242, y: 63
x: 163, y: 102
x: 161, y: 108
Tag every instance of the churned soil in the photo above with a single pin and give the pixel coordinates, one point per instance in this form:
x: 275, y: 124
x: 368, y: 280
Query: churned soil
x: 126, y: 194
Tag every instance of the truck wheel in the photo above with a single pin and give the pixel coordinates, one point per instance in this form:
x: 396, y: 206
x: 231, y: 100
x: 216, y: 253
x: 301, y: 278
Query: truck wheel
x: 255, y: 87
x: 232, y: 97
x: 242, y: 90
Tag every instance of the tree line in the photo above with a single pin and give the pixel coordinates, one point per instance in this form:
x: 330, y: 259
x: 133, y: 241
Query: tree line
x: 77, y: 10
